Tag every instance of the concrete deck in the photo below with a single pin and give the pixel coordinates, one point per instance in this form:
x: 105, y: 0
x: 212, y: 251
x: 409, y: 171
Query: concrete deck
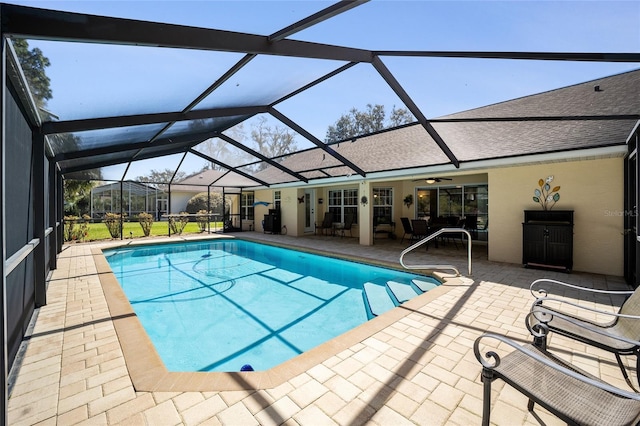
x: 414, y: 365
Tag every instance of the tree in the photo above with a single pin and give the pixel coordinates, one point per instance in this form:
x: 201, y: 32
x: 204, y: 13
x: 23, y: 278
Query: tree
x: 33, y: 64
x: 400, y: 116
x: 356, y: 123
x: 161, y: 178
x: 272, y: 141
x: 77, y: 197
x: 219, y: 149
x: 77, y: 192
x: 199, y: 202
x: 265, y: 139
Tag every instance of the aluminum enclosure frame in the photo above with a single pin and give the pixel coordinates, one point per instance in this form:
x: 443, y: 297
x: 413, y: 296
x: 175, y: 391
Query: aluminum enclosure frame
x: 38, y: 252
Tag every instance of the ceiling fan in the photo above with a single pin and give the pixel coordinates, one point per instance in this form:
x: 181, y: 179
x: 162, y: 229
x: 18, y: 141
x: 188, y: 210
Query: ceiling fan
x: 431, y: 180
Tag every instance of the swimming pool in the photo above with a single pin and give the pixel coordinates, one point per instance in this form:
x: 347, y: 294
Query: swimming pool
x: 220, y: 305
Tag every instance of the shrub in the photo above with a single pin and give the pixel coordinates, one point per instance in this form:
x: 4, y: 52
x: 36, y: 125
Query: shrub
x: 199, y: 202
x: 113, y: 221
x: 83, y: 230
x: 146, y: 222
x: 76, y: 229
x: 178, y: 222
x: 202, y: 217
x: 70, y: 230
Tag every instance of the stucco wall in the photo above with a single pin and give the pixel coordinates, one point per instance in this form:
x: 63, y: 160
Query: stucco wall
x: 259, y: 210
x: 179, y: 201
x: 592, y: 188
x: 289, y: 210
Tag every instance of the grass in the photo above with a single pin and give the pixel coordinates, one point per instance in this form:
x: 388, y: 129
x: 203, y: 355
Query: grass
x: 99, y: 231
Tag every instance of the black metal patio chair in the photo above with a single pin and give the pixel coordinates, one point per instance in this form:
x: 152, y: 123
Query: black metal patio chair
x: 620, y: 335
x: 572, y: 395
x: 420, y: 230
x: 347, y: 225
x: 408, y: 230
x: 326, y: 225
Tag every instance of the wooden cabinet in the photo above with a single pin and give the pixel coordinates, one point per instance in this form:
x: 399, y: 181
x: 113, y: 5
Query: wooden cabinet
x: 547, y: 239
x: 272, y: 222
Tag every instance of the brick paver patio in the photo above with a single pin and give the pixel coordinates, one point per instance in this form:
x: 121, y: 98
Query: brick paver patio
x: 419, y: 369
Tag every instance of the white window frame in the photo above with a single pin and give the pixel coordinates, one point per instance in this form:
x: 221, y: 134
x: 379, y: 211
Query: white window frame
x: 247, y: 209
x: 383, y: 200
x: 343, y: 201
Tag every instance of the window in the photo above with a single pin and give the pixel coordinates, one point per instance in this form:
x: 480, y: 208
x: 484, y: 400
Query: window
x: 383, y: 204
x: 277, y: 200
x: 469, y: 201
x: 427, y: 205
x: 450, y: 202
x: 343, y: 202
x: 476, y: 209
x: 246, y: 212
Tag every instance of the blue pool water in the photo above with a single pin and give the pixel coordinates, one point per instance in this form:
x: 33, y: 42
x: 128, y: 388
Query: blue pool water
x: 218, y: 305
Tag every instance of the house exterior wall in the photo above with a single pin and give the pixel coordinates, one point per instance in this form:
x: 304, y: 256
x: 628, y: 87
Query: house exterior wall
x: 259, y: 210
x: 179, y: 201
x: 290, y: 213
x: 592, y: 188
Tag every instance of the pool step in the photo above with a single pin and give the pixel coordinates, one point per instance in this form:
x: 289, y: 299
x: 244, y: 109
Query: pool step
x: 378, y: 298
x: 424, y: 285
x: 381, y: 296
x: 401, y: 291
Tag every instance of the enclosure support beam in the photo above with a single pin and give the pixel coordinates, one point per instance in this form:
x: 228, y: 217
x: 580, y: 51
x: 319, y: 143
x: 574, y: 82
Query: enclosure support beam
x: 262, y: 157
x: 53, y: 237
x: 121, y: 210
x: 404, y: 97
x: 4, y: 389
x: 169, y: 208
x: 38, y: 190
x: 326, y: 148
x: 60, y: 209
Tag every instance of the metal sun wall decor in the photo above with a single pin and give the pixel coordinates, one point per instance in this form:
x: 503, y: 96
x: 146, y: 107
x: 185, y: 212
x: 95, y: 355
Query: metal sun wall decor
x: 545, y: 195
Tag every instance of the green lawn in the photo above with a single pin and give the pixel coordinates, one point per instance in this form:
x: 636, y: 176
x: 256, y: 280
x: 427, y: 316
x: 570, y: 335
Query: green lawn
x: 99, y: 231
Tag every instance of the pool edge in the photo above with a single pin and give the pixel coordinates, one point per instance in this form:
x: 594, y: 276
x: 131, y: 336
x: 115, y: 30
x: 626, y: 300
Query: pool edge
x: 148, y: 373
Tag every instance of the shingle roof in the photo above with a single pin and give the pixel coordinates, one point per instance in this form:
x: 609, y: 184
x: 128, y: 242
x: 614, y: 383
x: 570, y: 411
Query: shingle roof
x: 566, y: 121
x: 489, y: 140
x: 199, y: 182
x: 617, y: 94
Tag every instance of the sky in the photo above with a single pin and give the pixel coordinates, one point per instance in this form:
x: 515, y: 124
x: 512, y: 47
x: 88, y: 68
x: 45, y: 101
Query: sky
x: 437, y: 86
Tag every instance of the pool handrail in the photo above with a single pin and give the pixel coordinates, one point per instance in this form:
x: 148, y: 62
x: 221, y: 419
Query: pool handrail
x: 431, y: 237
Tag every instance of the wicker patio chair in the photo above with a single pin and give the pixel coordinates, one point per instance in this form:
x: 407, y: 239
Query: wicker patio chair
x: 574, y: 396
x: 620, y: 335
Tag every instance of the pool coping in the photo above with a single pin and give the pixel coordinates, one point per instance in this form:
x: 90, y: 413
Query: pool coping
x: 148, y: 372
